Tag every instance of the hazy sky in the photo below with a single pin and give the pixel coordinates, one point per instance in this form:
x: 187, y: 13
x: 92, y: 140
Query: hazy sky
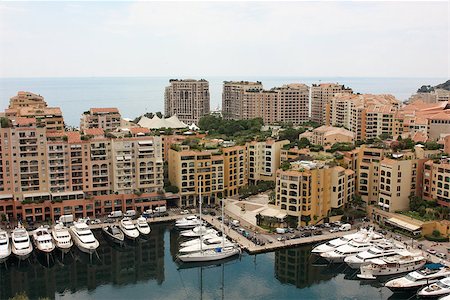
x: 224, y: 38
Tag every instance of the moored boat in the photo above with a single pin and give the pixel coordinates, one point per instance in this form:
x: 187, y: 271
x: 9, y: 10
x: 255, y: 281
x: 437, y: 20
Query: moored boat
x: 114, y: 234
x: 21, y: 245
x: 43, y: 241
x: 188, y: 222
x: 404, y: 261
x: 211, y: 254
x: 334, y: 243
x: 142, y: 226
x: 83, y: 237
x: 5, y: 246
x: 437, y: 289
x: 430, y: 273
x: 197, y: 231
x: 128, y: 228
x: 62, y: 238
x: 381, y: 249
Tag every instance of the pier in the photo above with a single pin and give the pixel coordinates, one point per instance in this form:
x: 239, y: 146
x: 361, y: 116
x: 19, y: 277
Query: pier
x: 252, y: 248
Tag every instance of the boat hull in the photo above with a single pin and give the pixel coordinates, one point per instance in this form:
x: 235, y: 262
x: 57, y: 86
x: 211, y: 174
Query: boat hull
x: 22, y: 254
x: 114, y: 239
x: 208, y: 256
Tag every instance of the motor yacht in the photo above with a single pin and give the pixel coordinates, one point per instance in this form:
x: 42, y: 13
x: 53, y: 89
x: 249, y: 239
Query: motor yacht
x: 43, y: 241
x: 206, y: 245
x: 5, y: 246
x: 142, y: 226
x: 62, y: 238
x: 20, y: 243
x: 354, y: 247
x: 343, y: 240
x: 381, y: 249
x: 188, y: 222
x: 430, y: 273
x: 83, y: 237
x: 128, y: 228
x: 114, y: 234
x: 404, y: 261
x: 437, y: 289
x: 197, y: 231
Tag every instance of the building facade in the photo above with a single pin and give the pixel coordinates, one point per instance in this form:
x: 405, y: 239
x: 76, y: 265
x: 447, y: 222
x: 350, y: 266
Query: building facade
x: 233, y: 98
x: 188, y: 99
x: 106, y: 118
x: 320, y: 95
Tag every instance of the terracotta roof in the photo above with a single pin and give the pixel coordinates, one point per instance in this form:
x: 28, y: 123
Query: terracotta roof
x: 440, y: 116
x: 420, y: 137
x: 73, y: 136
x: 136, y: 130
x: 94, y: 131
x: 24, y: 121
x: 104, y: 110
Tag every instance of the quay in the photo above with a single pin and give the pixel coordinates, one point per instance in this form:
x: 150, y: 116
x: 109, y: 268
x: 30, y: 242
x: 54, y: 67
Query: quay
x: 252, y: 248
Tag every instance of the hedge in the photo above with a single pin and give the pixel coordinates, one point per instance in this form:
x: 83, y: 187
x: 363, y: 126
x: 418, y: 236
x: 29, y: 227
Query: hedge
x: 440, y: 239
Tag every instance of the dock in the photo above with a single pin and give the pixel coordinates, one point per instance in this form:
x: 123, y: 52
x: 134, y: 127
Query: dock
x: 253, y: 248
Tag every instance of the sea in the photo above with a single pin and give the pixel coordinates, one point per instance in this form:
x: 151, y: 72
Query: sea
x: 147, y: 269
x: 135, y: 96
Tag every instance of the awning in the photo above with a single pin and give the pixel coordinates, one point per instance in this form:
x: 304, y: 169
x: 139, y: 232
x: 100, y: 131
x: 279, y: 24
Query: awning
x: 403, y: 224
x: 6, y: 196
x: 67, y: 193
x: 145, y: 142
x: 380, y: 203
x: 36, y: 195
x: 386, y: 205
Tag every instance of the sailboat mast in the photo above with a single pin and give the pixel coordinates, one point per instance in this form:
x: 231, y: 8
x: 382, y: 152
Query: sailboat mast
x: 223, y: 233
x: 200, y: 205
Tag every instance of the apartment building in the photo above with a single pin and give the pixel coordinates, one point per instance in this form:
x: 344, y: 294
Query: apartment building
x: 233, y: 97
x: 235, y: 172
x: 368, y: 170
x: 189, y: 99
x: 310, y: 189
x: 263, y: 159
x: 29, y: 105
x: 106, y: 118
x: 367, y: 116
x: 436, y: 181
x: 45, y: 174
x: 286, y: 104
x: 27, y: 99
x: 320, y: 95
x: 397, y: 182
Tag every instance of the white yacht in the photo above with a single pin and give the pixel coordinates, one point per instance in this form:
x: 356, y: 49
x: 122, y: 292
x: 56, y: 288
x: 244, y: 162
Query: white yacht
x: 381, y: 249
x: 43, y: 240
x: 61, y: 236
x: 188, y: 222
x: 343, y: 240
x: 197, y: 231
x: 404, y: 261
x: 142, y: 226
x: 437, y: 289
x: 5, y: 246
x: 83, y: 237
x: 352, y: 248
x: 431, y: 273
x: 211, y: 254
x: 207, y: 245
x: 128, y: 228
x: 21, y: 245
x: 197, y: 240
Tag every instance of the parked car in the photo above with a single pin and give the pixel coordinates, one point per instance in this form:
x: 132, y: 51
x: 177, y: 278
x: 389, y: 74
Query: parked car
x: 334, y: 230
x: 317, y: 232
x: 109, y: 221
x: 306, y: 234
x: 97, y: 221
x: 441, y: 255
x: 115, y: 214
x: 184, y: 212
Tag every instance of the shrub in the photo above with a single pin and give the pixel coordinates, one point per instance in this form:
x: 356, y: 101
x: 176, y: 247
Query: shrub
x: 440, y: 239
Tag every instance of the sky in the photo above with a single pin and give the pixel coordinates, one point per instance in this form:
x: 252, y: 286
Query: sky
x: 361, y: 39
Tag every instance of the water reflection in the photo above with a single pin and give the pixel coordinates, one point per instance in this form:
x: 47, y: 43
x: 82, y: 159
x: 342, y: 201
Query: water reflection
x: 140, y: 261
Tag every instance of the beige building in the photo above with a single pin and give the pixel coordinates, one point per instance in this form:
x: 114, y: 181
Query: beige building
x: 286, y: 104
x: 329, y: 135
x: 188, y: 99
x: 27, y: 99
x: 106, y: 118
x: 264, y: 159
x: 436, y: 181
x: 310, y: 189
x: 367, y: 116
x: 320, y: 95
x: 233, y: 98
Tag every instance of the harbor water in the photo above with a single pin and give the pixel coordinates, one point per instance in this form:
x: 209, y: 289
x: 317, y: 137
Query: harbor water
x: 147, y: 269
